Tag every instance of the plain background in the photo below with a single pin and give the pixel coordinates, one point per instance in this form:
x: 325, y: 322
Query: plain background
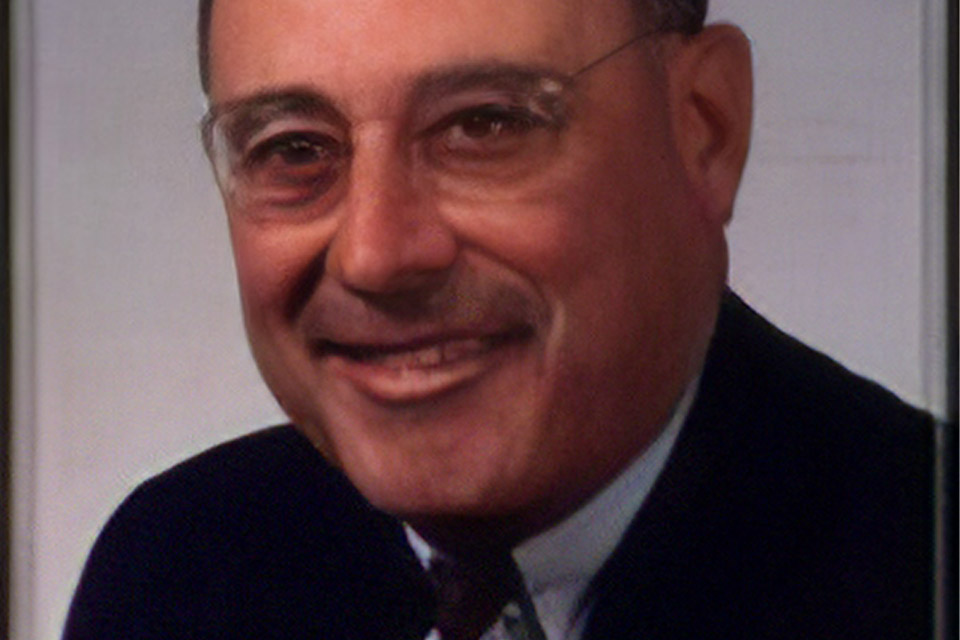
x: 129, y: 346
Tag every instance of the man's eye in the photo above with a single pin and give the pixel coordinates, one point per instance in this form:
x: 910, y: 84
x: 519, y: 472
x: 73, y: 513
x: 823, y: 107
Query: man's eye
x: 292, y: 168
x: 493, y: 121
x: 294, y: 150
x: 488, y: 130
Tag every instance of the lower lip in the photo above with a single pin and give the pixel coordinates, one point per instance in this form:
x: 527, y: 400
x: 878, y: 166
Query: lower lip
x: 411, y: 383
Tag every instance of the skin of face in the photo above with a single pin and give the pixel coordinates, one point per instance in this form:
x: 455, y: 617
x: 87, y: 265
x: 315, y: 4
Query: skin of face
x: 571, y: 307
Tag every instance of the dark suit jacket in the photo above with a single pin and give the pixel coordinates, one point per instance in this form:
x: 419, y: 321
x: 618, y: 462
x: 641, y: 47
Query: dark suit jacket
x: 797, y: 504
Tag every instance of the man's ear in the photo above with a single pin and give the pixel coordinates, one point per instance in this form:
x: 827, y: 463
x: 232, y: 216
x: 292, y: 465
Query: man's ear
x: 711, y: 102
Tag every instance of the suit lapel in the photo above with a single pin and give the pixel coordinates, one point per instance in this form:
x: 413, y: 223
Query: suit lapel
x: 679, y: 570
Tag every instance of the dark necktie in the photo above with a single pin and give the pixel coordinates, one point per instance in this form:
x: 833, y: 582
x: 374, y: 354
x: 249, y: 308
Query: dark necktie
x: 471, y: 596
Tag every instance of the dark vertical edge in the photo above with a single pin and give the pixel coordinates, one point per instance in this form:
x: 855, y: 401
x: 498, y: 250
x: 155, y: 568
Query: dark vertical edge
x: 948, y: 558
x: 6, y: 345
x: 953, y: 206
x: 951, y: 593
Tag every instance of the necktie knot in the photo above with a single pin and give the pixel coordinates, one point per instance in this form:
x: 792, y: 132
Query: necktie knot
x: 472, y: 596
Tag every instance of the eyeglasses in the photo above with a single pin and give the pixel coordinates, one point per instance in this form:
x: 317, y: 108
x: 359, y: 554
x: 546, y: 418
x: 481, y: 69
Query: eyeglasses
x: 478, y: 133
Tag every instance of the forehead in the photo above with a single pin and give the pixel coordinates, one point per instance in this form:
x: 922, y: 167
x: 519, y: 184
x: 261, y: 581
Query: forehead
x: 361, y: 45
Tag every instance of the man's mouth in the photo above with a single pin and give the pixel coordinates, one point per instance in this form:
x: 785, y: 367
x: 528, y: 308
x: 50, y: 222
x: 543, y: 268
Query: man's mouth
x: 413, y: 370
x: 418, y: 355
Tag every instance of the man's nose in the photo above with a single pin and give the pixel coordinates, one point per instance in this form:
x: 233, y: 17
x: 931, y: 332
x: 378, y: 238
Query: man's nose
x: 391, y: 237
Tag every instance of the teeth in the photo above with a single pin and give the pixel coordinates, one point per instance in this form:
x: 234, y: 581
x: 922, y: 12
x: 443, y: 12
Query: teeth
x: 464, y: 348
x: 434, y: 355
x: 426, y: 357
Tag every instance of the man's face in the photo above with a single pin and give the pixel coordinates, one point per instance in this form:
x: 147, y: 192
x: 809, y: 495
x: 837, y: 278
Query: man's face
x: 475, y: 278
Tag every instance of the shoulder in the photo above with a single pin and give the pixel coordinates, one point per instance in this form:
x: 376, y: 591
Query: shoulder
x: 799, y: 486
x: 247, y: 539
x: 244, y: 475
x: 249, y: 486
x: 757, y: 375
x: 823, y: 438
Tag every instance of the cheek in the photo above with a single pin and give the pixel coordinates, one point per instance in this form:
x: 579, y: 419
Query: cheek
x: 547, y: 235
x: 273, y: 263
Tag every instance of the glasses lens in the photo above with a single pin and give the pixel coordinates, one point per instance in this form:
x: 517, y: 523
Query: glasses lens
x: 282, y: 163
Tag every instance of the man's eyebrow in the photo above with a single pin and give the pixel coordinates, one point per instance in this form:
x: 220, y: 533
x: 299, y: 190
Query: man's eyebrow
x: 525, y: 79
x: 249, y: 114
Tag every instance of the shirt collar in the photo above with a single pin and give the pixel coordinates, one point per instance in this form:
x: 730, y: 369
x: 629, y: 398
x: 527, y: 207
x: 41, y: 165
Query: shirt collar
x: 578, y: 546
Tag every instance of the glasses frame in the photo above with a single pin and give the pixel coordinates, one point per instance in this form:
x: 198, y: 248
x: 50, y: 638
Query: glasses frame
x: 223, y: 168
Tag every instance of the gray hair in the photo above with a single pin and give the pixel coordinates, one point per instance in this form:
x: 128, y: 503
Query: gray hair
x: 682, y: 16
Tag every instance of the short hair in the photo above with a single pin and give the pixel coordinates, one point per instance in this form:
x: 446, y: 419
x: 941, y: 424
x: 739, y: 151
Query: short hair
x: 682, y: 16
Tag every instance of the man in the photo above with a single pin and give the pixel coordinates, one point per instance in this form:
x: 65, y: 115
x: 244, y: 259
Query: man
x: 481, y: 253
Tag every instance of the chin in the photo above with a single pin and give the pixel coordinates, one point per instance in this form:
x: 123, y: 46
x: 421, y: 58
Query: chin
x: 461, y: 516
x: 454, y: 486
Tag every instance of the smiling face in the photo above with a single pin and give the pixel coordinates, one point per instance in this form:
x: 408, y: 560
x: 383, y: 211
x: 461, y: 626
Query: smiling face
x: 477, y: 279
